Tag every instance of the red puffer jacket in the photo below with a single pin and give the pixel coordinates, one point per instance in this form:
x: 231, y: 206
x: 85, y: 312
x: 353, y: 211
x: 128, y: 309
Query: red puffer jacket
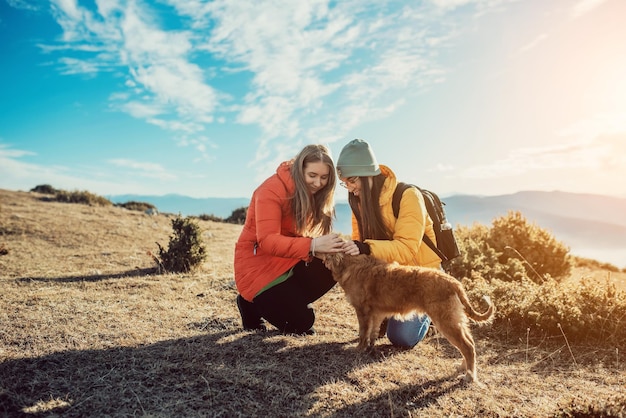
x: 268, y: 245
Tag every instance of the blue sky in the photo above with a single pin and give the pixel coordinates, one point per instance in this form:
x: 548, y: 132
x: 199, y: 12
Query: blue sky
x: 206, y: 98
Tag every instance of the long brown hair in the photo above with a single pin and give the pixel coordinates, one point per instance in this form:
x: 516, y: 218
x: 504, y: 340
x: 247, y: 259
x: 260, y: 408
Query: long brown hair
x: 313, y: 213
x: 366, y: 208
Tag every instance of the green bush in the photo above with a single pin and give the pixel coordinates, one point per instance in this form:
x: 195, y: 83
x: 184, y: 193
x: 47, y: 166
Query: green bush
x: 138, y: 206
x: 44, y: 189
x: 521, y: 267
x: 511, y: 250
x: 595, y: 264
x: 479, y: 260
x: 585, y: 407
x: 238, y: 216
x: 83, y: 197
x: 584, y: 312
x: 211, y: 217
x: 543, y: 256
x: 185, y: 251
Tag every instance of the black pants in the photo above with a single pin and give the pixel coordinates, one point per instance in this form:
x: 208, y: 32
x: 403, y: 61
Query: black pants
x: 286, y: 305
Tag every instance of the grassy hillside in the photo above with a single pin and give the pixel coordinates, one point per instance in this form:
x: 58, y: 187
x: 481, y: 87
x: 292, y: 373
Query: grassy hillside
x: 87, y: 328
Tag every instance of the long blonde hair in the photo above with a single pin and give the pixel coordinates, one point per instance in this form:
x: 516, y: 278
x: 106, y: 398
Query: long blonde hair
x: 313, y: 214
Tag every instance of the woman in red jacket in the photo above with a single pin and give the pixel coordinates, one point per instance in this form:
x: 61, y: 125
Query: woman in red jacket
x: 288, y: 223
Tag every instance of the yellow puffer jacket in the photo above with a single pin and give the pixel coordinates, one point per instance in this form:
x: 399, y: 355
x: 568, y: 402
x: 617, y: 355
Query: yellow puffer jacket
x: 407, y: 246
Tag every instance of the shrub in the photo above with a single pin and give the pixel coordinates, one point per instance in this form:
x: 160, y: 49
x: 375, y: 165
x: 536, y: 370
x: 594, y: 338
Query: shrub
x: 542, y: 255
x: 587, y: 313
x: 479, y: 260
x: 238, y: 216
x: 83, y: 197
x: 512, y: 249
x: 138, y: 206
x: 185, y: 251
x: 582, y: 406
x: 520, y: 266
x: 593, y: 264
x: 64, y: 196
x: 211, y: 217
x: 44, y: 189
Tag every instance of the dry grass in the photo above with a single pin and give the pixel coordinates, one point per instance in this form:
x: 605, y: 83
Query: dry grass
x: 88, y: 329
x: 599, y: 276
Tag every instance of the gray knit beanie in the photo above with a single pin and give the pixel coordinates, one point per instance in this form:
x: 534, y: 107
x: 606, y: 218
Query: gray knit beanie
x: 357, y: 160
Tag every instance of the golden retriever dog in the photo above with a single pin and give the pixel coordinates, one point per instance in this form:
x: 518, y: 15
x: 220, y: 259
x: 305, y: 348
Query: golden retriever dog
x: 379, y: 290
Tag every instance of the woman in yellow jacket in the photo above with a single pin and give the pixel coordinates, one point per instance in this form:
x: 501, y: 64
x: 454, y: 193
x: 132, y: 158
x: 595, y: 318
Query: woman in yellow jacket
x: 377, y: 232
x: 288, y: 224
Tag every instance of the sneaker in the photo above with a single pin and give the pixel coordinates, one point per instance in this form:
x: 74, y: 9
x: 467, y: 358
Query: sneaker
x: 250, y: 318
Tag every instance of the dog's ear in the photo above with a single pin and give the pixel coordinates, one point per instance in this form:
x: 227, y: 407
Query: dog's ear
x: 332, y: 260
x: 326, y: 260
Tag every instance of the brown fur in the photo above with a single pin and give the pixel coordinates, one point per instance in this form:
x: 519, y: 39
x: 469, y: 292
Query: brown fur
x: 378, y: 290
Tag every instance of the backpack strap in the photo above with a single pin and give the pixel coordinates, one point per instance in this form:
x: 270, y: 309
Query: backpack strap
x: 397, y: 197
x: 395, y: 205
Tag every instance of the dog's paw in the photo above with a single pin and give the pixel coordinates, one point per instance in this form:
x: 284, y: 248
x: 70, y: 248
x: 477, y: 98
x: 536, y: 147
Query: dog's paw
x: 471, y: 379
x: 362, y: 347
x: 474, y: 382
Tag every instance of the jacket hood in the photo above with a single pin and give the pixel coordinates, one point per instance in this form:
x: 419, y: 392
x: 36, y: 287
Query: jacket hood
x: 386, y: 194
x: 284, y: 175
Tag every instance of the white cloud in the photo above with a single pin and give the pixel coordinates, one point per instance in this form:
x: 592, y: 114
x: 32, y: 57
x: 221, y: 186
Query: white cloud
x: 24, y: 176
x: 449, y: 4
x: 601, y: 124
x: 176, y: 125
x: 585, y: 6
x: 527, y: 160
x: 24, y: 5
x: 201, y: 144
x: 156, y: 60
x: 8, y: 153
x: 138, y: 109
x: 142, y: 166
x: 482, y: 6
x: 532, y: 44
x: 594, y: 144
x: 313, y: 69
x: 76, y: 66
x: 442, y: 168
x: 143, y: 169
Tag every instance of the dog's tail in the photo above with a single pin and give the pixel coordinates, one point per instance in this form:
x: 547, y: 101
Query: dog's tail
x: 471, y: 312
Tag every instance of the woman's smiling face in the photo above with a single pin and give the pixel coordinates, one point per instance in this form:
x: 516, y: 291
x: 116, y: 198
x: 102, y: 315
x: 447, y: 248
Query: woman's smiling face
x: 316, y: 175
x: 353, y: 184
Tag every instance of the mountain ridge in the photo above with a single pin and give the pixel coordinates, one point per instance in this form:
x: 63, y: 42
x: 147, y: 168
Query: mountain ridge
x: 591, y: 225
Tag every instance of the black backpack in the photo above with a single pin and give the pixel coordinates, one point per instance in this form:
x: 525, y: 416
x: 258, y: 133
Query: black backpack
x: 446, y: 247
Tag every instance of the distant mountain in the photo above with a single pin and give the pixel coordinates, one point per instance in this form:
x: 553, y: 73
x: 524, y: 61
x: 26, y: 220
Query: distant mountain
x: 604, y: 209
x: 592, y: 226
x: 577, y: 219
x: 222, y: 207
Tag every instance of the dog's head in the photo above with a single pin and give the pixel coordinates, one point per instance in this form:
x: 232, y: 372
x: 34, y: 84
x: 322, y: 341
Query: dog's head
x: 333, y: 261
